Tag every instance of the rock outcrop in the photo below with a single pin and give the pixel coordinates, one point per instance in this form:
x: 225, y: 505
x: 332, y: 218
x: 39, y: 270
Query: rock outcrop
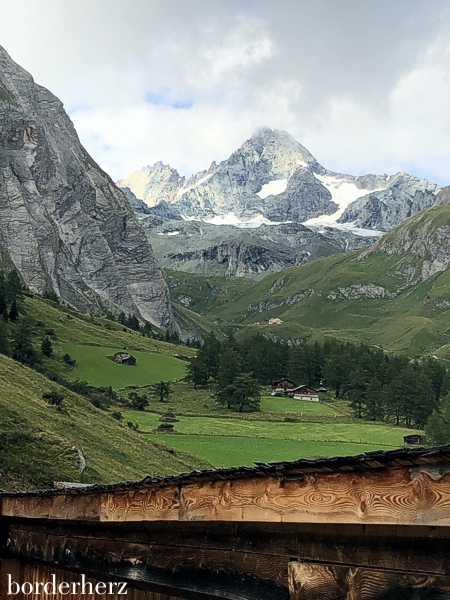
x: 421, y: 245
x: 64, y: 223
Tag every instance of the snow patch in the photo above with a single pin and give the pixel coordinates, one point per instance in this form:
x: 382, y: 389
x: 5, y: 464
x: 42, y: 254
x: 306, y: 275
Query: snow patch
x: 186, y: 218
x: 302, y: 163
x: 349, y: 227
x: 169, y: 233
x: 273, y: 188
x: 343, y: 193
x: 187, y: 188
x: 231, y: 219
x: 203, y: 179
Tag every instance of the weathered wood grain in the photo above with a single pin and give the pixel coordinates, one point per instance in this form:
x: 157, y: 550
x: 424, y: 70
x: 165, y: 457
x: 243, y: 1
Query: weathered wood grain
x: 309, y: 581
x: 425, y: 549
x: 226, y: 574
x: 403, y: 496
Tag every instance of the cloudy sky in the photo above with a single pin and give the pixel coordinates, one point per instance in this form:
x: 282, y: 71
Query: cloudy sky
x: 363, y: 84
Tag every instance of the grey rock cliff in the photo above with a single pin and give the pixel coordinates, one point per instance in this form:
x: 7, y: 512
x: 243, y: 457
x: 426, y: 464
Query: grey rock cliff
x: 63, y: 222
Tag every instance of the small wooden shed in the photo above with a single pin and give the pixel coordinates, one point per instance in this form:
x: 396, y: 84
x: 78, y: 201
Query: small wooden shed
x: 122, y: 358
x: 414, y: 439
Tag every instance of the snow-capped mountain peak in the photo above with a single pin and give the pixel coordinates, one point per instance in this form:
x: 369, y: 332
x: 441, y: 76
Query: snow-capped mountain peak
x: 272, y: 178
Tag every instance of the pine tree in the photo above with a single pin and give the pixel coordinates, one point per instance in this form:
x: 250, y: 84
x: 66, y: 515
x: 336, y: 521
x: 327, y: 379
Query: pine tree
x: 4, y: 344
x: 13, y: 311
x: 247, y: 393
x: 437, y: 429
x: 14, y: 288
x: 229, y: 367
x: 138, y: 402
x: 357, y: 392
x: 22, y: 347
x: 3, y: 304
x: 161, y: 389
x: 374, y: 400
x: 47, y: 347
x: 197, y: 373
x: 133, y: 322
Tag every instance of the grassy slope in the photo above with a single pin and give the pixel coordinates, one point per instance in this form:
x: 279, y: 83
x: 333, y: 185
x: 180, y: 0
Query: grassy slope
x: 38, y: 444
x: 94, y: 366
x: 202, y: 293
x: 410, y: 322
x: 91, y: 340
x: 72, y: 327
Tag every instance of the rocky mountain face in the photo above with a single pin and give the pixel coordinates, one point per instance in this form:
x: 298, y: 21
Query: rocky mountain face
x: 270, y: 182
x: 197, y: 247
x: 63, y: 222
x: 272, y: 177
x: 420, y: 245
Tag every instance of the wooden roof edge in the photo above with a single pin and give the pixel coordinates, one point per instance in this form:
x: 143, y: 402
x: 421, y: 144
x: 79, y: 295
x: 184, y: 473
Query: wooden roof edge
x: 369, y: 461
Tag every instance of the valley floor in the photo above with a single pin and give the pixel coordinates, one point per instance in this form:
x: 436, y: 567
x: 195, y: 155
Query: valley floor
x: 294, y: 429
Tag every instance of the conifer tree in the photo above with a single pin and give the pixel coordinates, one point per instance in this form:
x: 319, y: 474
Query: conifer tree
x: 13, y: 311
x: 22, y: 347
x: 3, y: 304
x: 161, y: 389
x: 14, y: 288
x: 47, y: 347
x: 4, y: 344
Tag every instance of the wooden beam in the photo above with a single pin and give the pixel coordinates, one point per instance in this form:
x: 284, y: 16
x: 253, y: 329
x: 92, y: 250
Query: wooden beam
x: 425, y: 549
x: 217, y: 573
x: 417, y: 495
x: 310, y: 581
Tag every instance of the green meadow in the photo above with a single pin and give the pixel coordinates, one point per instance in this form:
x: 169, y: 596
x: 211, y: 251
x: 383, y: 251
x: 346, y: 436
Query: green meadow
x: 233, y: 441
x: 94, y: 366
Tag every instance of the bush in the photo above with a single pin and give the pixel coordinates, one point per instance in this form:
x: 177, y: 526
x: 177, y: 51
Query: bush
x: 138, y: 402
x: 165, y: 428
x: 54, y: 398
x: 134, y: 426
x: 47, y: 347
x: 50, y: 295
x: 116, y: 415
x: 69, y: 360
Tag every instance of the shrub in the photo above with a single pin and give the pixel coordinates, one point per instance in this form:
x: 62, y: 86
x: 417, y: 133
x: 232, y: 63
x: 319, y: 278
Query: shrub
x: 54, y: 398
x: 69, y: 360
x: 165, y: 428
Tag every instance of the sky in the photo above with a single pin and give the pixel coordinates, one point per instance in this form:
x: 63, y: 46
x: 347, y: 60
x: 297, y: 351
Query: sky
x: 363, y: 84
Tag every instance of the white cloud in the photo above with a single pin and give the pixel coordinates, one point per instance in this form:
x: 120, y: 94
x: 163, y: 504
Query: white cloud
x: 364, y: 86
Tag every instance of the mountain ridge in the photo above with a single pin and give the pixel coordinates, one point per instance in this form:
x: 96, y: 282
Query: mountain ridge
x: 395, y: 294
x: 64, y: 224
x: 273, y: 178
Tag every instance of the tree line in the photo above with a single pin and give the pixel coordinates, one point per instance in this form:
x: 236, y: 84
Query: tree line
x: 379, y: 386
